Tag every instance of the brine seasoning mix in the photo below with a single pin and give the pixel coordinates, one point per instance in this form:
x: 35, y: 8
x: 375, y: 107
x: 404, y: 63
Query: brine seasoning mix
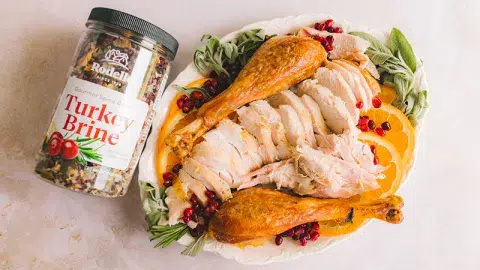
x: 103, y: 116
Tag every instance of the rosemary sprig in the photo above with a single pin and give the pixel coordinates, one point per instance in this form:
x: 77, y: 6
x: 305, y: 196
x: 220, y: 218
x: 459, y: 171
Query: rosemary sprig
x: 167, y: 234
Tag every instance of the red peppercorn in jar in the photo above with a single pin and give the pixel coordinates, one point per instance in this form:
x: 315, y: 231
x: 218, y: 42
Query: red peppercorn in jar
x: 107, y: 106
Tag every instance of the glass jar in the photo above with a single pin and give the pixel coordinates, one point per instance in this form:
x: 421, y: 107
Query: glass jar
x: 103, y: 116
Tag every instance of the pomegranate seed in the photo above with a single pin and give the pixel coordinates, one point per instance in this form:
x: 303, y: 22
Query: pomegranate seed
x: 329, y: 48
x: 214, y: 205
x: 371, y: 125
x: 328, y: 23
x: 375, y: 160
x: 295, y: 237
x: 338, y: 30
x: 198, y: 209
x: 188, y: 212
x: 315, y: 227
x: 330, y: 29
x: 386, y: 126
x: 377, y: 103
x: 329, y: 39
x: 314, y: 236
x: 186, y: 219
x: 303, y: 242
x: 278, y: 240
x: 167, y: 183
x: 359, y: 105
x: 299, y: 231
x: 168, y: 176
x: 210, y: 194
x: 302, y: 225
x: 373, y: 149
x: 211, y: 86
x: 197, y: 95
x: 320, y: 26
x: 194, y: 199
x: 288, y: 233
x: 363, y: 121
x: 380, y: 131
x: 187, y: 105
x: 363, y: 128
x: 181, y: 101
x: 306, y: 236
x: 177, y: 168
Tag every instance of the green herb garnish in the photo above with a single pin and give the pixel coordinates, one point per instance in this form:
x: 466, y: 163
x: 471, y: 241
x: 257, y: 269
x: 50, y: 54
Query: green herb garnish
x: 397, y: 66
x: 167, y: 234
x: 194, y: 248
x: 212, y: 55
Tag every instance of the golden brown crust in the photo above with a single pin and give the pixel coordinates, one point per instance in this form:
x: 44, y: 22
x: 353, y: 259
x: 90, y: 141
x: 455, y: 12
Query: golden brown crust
x: 257, y: 213
x: 276, y: 66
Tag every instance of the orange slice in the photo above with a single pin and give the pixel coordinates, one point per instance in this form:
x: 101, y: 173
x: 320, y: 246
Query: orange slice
x: 389, y: 158
x: 174, y: 120
x: 401, y: 135
x: 388, y: 94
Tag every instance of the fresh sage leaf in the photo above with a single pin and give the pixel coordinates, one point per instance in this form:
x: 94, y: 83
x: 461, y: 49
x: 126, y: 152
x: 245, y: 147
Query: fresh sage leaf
x: 400, y: 45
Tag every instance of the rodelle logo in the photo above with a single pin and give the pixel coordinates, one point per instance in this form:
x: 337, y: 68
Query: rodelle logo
x: 116, y: 58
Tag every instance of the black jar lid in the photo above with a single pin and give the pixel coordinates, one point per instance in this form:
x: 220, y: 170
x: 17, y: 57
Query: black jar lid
x: 135, y: 24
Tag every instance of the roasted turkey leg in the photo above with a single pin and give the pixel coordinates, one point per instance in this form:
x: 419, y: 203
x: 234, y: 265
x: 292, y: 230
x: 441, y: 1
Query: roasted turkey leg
x: 277, y: 65
x: 256, y: 213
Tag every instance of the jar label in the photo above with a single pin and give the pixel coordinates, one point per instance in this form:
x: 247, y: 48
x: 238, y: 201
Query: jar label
x: 101, y: 125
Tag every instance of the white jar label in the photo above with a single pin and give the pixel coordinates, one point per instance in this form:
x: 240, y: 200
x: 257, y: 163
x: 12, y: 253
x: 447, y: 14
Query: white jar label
x: 105, y: 124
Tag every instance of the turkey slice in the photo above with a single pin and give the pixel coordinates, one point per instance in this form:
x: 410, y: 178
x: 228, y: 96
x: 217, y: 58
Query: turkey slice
x: 294, y: 128
x: 319, y: 126
x: 193, y: 186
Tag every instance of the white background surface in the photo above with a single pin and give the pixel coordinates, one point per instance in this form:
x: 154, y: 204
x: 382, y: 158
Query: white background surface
x: 44, y: 227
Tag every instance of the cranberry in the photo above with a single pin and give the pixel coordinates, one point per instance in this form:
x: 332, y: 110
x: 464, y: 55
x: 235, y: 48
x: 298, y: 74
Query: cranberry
x: 363, y: 121
x: 194, y: 199
x: 329, y: 48
x: 338, y: 30
x: 380, y: 131
x: 187, y: 105
x: 315, y: 227
x: 386, y: 126
x: 359, y: 105
x: 188, y: 212
x: 210, y: 194
x: 373, y: 149
x: 186, y: 219
x: 376, y: 102
x: 214, y: 205
x: 329, y: 39
x: 211, y: 86
x: 314, y: 236
x: 198, y: 99
x: 278, y: 240
x: 299, y: 231
x: 371, y: 125
x: 55, y: 146
x: 288, y: 233
x: 69, y: 149
x: 321, y: 39
x: 176, y: 168
x: 375, y: 160
x: 329, y: 23
x: 320, y: 26
x: 330, y: 29
x: 167, y: 183
x: 303, y: 242
x: 168, y: 176
x: 181, y: 101
x: 56, y: 135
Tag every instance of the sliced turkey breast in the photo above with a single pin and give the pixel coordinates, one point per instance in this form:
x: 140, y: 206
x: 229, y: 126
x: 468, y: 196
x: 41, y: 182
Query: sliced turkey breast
x: 354, y: 83
x: 284, y: 149
x: 260, y: 128
x: 193, y: 186
x: 354, y: 70
x: 293, y: 127
x: 333, y: 108
x: 338, y: 178
x: 176, y: 205
x: 208, y: 178
x: 287, y: 97
x: 319, y: 126
x: 332, y: 80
